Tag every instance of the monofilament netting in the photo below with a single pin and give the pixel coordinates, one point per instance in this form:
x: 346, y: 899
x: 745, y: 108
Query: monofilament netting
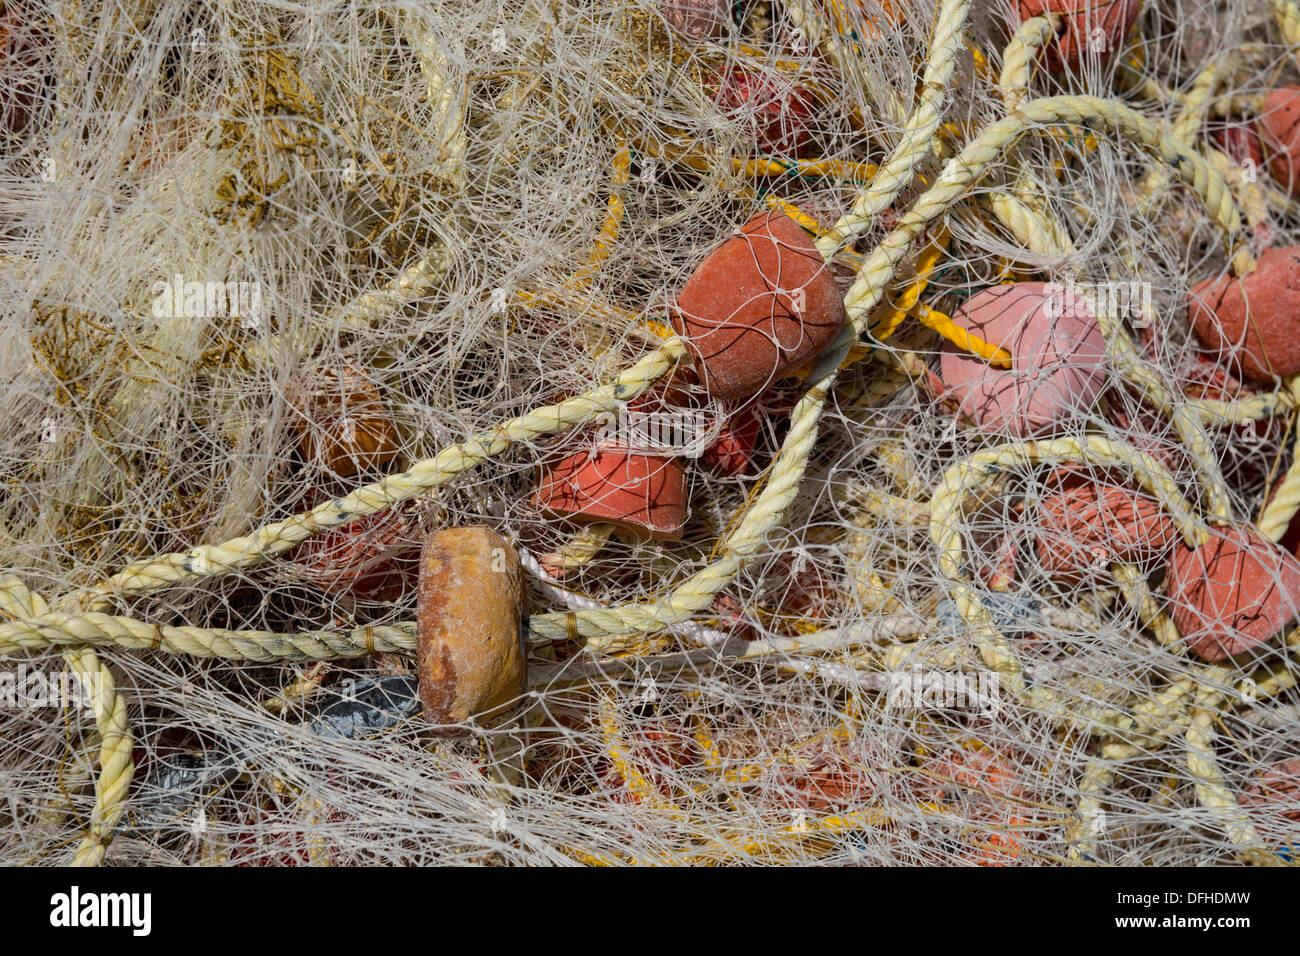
x: 289, y: 286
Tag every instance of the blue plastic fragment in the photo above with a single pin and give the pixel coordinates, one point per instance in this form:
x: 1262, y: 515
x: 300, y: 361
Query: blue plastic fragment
x: 1015, y: 615
x: 369, y: 707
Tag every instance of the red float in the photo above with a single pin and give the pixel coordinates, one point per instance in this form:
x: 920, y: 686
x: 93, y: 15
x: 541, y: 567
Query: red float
x: 641, y: 494
x: 758, y: 307
x: 1058, y: 358
x: 1233, y: 593
x: 1279, y: 132
x: 733, y: 451
x: 780, y: 114
x: 1241, y: 143
x: 1250, y: 319
x: 1089, y: 27
x: 986, y: 788
x: 1084, y: 530
x: 375, y: 557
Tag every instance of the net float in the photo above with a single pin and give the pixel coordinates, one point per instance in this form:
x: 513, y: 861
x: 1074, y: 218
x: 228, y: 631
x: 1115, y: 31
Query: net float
x: 1273, y: 803
x: 342, y: 424
x: 644, y: 495
x: 1014, y: 615
x: 1086, y: 529
x: 1058, y: 358
x: 1233, y: 593
x: 371, y: 558
x: 368, y: 708
x: 1249, y: 319
x: 1279, y: 133
x: 698, y: 19
x: 732, y: 618
x: 469, y: 625
x: 826, y: 782
x: 1095, y: 27
x: 781, y: 112
x: 759, y: 306
x: 174, y: 789
x: 629, y: 477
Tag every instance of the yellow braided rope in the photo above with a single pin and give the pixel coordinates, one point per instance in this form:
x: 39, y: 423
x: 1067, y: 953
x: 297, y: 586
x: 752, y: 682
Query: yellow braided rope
x: 1211, y: 791
x: 93, y: 628
x: 954, y: 333
x: 915, y: 143
x: 115, y: 764
x: 1186, y: 123
x: 581, y: 548
x: 1134, y: 587
x: 1278, y: 513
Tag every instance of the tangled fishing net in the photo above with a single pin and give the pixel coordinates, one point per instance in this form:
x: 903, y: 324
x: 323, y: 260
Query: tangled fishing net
x: 289, y: 287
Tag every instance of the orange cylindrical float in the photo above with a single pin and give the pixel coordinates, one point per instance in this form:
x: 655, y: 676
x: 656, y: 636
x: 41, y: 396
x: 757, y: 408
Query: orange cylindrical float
x: 469, y: 626
x: 644, y: 495
x: 1233, y: 593
x: 1087, y: 528
x: 1250, y: 319
x: 759, y: 306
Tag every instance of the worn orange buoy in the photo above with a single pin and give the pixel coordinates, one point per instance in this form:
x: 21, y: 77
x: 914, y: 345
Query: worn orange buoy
x: 469, y: 625
x: 1095, y: 27
x: 1058, y: 358
x: 641, y: 494
x: 1084, y: 530
x: 1251, y: 319
x: 759, y: 306
x: 1233, y: 593
x: 342, y: 424
x: 1279, y: 132
x: 780, y: 115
